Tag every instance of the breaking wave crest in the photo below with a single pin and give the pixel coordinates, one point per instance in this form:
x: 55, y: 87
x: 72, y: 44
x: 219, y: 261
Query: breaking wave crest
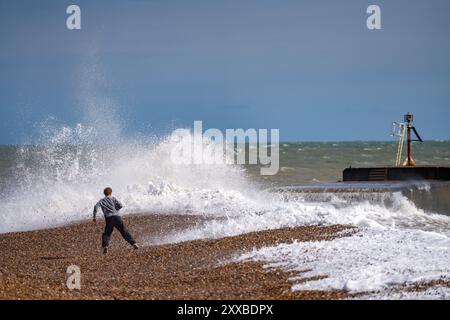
x: 59, y: 180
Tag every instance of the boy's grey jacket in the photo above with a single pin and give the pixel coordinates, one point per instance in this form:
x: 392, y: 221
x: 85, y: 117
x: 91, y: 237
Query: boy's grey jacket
x: 110, y: 207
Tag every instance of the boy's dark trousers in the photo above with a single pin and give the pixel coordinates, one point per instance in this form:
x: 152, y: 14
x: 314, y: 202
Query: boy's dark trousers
x: 115, y: 222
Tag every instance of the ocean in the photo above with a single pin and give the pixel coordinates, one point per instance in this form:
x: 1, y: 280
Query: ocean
x: 400, y: 240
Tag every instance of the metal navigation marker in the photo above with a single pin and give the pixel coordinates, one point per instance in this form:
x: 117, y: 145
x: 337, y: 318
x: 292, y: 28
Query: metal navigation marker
x: 398, y: 130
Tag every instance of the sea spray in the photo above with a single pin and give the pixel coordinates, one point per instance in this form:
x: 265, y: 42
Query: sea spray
x: 59, y: 180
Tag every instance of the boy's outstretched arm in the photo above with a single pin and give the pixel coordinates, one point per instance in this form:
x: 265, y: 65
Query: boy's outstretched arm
x: 97, y: 205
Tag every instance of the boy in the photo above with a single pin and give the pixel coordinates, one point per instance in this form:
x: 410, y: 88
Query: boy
x: 110, y: 207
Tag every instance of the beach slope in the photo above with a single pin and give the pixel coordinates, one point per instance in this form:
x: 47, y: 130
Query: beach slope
x: 33, y: 264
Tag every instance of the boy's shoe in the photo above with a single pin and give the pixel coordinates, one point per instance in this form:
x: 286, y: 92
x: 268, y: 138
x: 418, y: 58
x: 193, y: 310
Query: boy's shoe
x: 136, y: 246
x: 105, y: 250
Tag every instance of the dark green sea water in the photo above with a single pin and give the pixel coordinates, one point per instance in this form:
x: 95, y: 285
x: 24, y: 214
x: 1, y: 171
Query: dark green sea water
x: 305, y: 162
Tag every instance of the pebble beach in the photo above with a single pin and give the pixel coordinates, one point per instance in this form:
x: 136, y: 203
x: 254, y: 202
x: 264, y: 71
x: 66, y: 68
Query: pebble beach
x: 33, y: 264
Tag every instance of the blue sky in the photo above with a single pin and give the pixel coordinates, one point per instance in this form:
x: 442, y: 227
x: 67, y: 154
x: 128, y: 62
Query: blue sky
x: 310, y: 68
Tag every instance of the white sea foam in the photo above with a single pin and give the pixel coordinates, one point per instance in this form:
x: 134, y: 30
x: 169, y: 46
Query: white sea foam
x: 264, y: 210
x: 372, y: 261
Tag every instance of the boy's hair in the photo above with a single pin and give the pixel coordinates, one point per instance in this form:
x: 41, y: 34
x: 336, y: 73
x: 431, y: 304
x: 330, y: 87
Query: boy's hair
x: 107, y: 191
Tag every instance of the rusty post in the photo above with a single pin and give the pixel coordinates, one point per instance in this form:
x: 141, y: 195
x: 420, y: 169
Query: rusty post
x: 408, y: 121
x: 409, y: 162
